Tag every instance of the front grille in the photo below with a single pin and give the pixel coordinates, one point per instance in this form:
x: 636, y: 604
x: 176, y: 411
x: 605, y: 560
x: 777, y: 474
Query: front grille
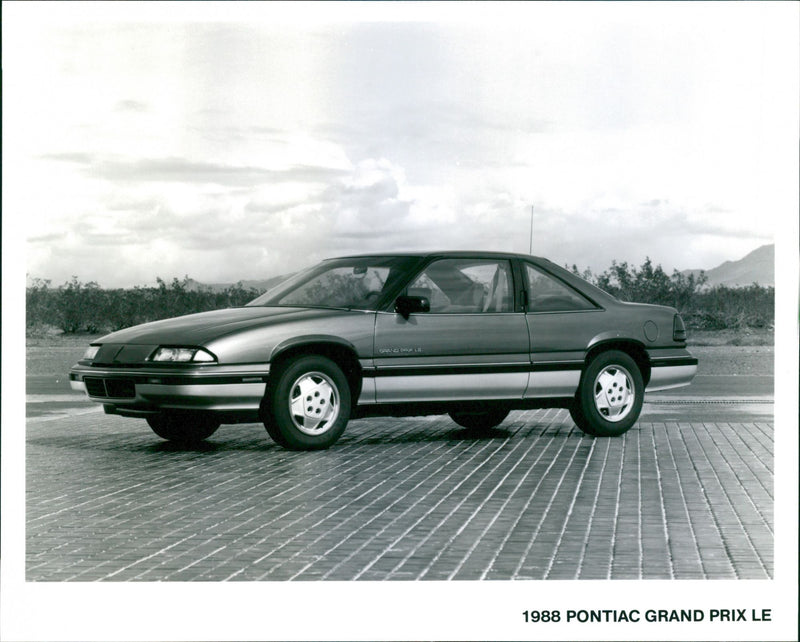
x: 120, y: 388
x: 95, y: 387
x: 114, y: 388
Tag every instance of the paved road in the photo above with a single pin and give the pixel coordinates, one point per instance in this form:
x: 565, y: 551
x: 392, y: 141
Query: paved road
x: 687, y: 493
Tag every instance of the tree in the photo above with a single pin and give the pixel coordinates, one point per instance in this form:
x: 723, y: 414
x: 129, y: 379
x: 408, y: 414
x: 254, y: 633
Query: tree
x: 650, y: 284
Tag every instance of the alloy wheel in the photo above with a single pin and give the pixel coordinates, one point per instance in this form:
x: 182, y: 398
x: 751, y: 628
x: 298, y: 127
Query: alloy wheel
x: 314, y: 403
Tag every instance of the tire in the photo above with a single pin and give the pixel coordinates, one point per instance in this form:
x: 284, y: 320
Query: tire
x: 482, y: 418
x: 579, y: 418
x: 610, y: 396
x: 269, y: 423
x: 309, y: 404
x: 183, y: 427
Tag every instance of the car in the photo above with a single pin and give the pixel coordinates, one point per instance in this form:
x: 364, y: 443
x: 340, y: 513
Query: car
x: 471, y: 334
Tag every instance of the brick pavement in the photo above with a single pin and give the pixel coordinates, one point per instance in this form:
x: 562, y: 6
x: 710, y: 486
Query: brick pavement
x: 400, y: 499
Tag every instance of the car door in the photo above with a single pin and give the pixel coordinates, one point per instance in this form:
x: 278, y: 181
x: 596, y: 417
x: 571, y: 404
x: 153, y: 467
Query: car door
x: 561, y: 322
x: 472, y: 344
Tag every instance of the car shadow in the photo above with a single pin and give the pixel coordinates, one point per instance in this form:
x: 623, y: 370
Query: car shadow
x: 254, y: 438
x: 421, y: 436
x: 176, y: 447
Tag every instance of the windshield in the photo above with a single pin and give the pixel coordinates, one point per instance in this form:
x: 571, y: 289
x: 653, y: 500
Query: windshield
x: 360, y: 283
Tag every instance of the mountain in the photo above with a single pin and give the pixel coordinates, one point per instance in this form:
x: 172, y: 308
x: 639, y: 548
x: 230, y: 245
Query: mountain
x: 756, y: 267
x: 262, y: 285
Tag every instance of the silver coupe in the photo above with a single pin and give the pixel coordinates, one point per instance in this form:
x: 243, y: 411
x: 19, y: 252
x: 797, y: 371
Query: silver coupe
x: 471, y: 334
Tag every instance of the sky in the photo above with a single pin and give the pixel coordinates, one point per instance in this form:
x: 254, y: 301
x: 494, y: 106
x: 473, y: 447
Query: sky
x: 244, y: 141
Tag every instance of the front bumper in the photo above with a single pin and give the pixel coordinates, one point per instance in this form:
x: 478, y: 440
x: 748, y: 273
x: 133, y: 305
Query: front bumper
x: 151, y: 389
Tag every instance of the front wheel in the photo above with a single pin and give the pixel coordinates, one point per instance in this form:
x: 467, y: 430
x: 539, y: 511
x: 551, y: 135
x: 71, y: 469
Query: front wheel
x: 183, y: 427
x: 610, y: 396
x: 310, y: 404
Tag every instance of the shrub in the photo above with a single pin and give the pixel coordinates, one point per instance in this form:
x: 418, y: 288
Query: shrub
x: 76, y: 306
x: 86, y: 307
x: 702, y: 308
x: 736, y: 308
x: 39, y: 305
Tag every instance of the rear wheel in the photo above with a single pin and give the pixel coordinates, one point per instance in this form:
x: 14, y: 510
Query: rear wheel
x: 310, y: 404
x: 610, y: 396
x: 183, y: 427
x: 481, y: 418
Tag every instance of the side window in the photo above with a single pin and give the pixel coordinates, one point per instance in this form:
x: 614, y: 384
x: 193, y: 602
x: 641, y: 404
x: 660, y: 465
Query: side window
x: 458, y: 286
x: 548, y: 294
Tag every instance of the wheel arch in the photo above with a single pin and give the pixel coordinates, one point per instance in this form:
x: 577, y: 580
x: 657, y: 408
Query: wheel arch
x: 634, y: 349
x: 340, y: 352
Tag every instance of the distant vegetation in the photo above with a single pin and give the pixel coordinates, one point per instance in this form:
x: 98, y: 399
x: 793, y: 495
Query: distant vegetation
x: 717, y: 308
x: 87, y: 307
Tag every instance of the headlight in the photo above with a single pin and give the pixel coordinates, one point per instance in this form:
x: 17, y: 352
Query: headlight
x: 90, y: 353
x: 182, y: 355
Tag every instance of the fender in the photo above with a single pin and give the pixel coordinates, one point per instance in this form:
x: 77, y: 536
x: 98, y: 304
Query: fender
x: 615, y: 338
x: 311, y: 339
x: 612, y: 337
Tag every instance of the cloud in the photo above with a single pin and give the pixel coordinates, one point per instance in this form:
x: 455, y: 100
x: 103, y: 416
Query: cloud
x: 80, y: 158
x: 368, y: 200
x: 46, y: 238
x: 222, y: 222
x: 124, y: 203
x: 129, y: 105
x: 670, y: 234
x: 234, y: 151
x: 182, y: 170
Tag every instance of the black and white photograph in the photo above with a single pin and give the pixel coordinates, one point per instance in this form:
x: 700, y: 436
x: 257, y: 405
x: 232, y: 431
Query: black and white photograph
x: 400, y: 320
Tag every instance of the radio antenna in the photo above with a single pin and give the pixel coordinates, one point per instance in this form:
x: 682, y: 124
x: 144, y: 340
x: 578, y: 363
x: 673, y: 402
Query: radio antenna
x: 530, y: 248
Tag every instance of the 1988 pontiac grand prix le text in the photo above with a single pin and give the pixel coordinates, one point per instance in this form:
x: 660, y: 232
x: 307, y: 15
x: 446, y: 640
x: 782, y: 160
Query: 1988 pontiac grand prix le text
x: 472, y: 334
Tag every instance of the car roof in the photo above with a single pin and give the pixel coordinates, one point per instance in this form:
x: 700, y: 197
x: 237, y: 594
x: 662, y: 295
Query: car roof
x: 462, y: 254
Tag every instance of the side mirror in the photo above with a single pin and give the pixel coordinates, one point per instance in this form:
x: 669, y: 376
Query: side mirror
x: 406, y: 305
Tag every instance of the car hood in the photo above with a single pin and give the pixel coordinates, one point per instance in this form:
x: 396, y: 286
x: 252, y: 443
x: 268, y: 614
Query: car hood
x: 199, y: 329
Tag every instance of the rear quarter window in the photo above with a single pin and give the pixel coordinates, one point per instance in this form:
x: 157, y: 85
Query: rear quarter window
x: 548, y: 294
